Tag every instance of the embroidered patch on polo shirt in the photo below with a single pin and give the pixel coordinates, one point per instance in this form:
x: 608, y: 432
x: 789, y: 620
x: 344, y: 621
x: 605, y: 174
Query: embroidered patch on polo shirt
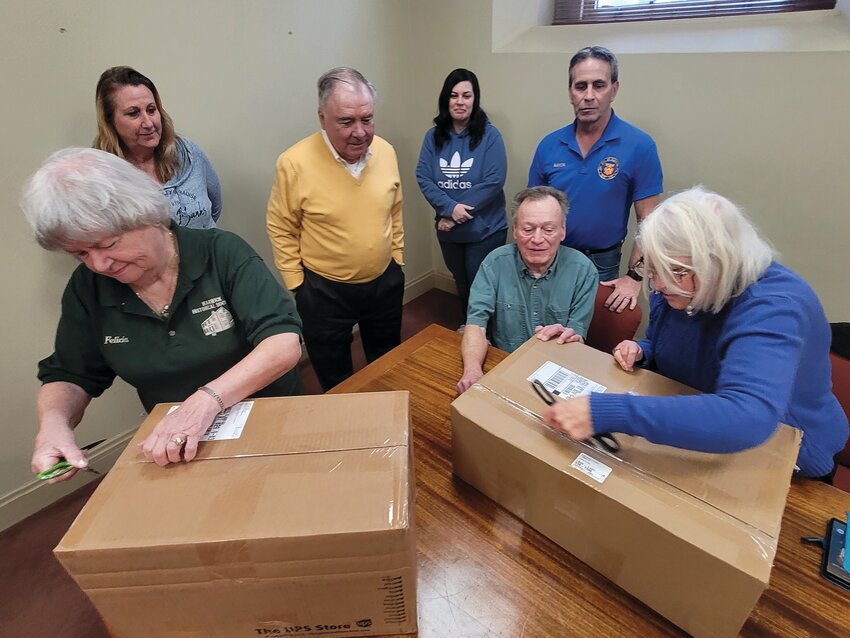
x: 608, y: 168
x: 218, y: 321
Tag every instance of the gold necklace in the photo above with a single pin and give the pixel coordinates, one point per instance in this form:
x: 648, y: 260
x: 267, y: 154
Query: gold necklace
x: 173, y: 266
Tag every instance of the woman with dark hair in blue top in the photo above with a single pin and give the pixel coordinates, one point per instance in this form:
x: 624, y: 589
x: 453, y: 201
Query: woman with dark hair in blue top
x: 461, y: 172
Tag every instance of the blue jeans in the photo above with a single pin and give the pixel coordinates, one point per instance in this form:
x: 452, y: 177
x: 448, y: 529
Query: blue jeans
x: 607, y: 263
x: 463, y: 261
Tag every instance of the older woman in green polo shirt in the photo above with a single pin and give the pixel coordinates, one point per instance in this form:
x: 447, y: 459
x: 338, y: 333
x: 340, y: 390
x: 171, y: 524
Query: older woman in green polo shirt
x: 183, y: 315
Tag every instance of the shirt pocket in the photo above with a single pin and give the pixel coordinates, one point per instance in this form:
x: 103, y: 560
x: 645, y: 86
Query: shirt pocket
x: 510, y: 330
x: 556, y: 313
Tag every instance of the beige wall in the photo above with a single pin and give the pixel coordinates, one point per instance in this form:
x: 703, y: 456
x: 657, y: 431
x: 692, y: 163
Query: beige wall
x: 238, y: 78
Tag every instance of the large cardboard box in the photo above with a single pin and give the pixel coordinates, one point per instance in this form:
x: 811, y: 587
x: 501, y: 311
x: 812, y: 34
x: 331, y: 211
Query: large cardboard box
x: 692, y: 535
x: 302, y: 526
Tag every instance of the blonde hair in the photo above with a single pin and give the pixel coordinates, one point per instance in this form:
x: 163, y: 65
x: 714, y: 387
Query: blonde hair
x: 726, y: 252
x: 166, y: 154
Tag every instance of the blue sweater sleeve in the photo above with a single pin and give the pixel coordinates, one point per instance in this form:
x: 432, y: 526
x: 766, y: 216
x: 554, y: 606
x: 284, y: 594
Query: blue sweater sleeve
x: 656, y: 304
x: 442, y: 204
x: 759, y: 349
x: 213, y: 186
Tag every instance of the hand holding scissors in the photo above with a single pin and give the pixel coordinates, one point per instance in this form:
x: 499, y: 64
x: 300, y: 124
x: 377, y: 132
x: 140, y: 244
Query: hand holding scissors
x: 62, y: 467
x: 572, y: 417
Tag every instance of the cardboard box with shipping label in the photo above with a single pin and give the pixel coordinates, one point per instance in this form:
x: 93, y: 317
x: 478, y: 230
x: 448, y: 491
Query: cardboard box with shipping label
x: 692, y: 535
x: 297, y: 521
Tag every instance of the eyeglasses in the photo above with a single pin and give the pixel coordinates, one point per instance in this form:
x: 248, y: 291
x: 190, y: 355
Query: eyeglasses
x: 678, y: 274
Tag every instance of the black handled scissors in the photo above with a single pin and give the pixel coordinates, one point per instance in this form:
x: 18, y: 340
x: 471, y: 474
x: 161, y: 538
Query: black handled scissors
x: 63, y: 467
x: 603, y: 441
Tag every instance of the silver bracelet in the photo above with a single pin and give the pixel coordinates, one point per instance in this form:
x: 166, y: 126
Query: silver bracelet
x: 214, y: 395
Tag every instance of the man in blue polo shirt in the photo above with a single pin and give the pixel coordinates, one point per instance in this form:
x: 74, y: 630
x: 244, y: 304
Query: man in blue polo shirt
x: 604, y: 165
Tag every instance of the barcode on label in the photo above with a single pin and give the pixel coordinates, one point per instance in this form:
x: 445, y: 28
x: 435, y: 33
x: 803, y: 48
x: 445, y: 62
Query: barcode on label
x: 563, y: 382
x: 215, y: 426
x: 555, y: 380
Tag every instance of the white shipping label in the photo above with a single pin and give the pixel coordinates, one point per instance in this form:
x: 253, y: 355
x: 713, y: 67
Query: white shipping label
x: 593, y: 468
x: 227, y: 424
x: 565, y: 383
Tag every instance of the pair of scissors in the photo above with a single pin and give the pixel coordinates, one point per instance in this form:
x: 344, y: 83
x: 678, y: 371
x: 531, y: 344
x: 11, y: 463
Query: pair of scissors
x: 604, y: 441
x: 63, y: 467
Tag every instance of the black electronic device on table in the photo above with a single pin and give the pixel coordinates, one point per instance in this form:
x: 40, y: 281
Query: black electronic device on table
x: 834, y: 546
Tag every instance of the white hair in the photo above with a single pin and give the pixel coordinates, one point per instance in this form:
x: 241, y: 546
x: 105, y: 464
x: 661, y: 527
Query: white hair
x: 726, y: 252
x: 342, y: 75
x: 84, y: 194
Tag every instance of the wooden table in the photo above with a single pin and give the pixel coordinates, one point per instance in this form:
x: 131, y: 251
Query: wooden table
x: 483, y: 572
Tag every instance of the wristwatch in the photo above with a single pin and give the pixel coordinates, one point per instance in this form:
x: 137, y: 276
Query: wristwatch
x: 632, y: 273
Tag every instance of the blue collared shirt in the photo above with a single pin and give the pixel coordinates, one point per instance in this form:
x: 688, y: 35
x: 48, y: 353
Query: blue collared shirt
x: 508, y: 301
x: 621, y: 168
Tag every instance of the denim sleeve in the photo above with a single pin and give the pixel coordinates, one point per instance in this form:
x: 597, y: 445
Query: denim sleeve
x: 482, y: 297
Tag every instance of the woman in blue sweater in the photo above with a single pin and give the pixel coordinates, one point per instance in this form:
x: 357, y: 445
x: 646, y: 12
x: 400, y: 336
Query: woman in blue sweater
x: 728, y: 320
x: 461, y: 172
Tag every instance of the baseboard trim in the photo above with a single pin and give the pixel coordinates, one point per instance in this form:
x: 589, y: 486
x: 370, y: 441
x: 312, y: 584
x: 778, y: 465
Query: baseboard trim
x: 445, y: 282
x: 36, y: 495
x: 414, y: 288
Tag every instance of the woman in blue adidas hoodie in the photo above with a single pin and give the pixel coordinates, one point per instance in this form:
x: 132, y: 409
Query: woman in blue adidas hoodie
x: 728, y: 320
x: 461, y: 172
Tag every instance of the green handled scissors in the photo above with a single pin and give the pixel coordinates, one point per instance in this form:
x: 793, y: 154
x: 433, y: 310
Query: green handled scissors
x: 63, y: 467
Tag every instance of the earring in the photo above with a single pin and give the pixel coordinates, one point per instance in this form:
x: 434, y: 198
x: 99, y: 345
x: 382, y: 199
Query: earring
x: 690, y: 310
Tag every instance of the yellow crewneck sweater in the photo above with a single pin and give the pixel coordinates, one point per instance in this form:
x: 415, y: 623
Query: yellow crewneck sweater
x: 321, y: 218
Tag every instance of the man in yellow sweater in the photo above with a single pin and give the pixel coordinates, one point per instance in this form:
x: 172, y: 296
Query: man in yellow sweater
x: 335, y: 223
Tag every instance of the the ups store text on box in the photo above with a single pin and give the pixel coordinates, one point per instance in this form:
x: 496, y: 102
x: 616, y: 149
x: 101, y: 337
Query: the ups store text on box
x: 692, y: 535
x: 301, y: 526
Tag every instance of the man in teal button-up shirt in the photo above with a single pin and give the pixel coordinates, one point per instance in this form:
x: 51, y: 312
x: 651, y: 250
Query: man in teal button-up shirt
x: 532, y: 287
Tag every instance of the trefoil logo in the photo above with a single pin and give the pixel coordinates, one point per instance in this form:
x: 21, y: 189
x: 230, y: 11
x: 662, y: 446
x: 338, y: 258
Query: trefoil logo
x: 453, y: 170
x: 456, y: 168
